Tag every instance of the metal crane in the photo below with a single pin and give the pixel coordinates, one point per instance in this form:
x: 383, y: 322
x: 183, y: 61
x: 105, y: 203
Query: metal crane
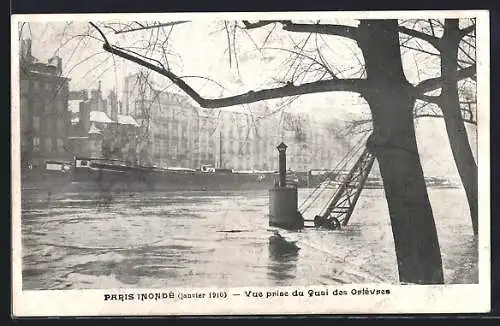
x: 339, y: 207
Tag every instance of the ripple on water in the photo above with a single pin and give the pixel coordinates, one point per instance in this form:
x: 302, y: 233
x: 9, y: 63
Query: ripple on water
x: 215, y: 239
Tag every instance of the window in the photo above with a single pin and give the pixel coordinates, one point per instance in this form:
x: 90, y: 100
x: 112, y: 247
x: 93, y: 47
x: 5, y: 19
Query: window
x: 59, y: 126
x: 36, y: 84
x: 25, y: 122
x: 48, y: 144
x: 49, y: 126
x: 60, y: 106
x: 60, y: 145
x: 36, y: 123
x: 36, y: 144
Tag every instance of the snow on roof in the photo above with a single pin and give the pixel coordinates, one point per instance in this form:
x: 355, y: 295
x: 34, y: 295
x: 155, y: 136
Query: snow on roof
x: 74, y: 105
x: 94, y: 130
x: 75, y: 120
x: 99, y: 116
x: 127, y: 120
x: 179, y: 168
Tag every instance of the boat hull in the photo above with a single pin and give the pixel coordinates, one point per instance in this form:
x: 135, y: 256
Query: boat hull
x: 131, y: 179
x: 45, y: 181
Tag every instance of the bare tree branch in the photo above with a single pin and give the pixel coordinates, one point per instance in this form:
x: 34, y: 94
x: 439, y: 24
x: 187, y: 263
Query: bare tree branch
x: 151, y: 26
x: 430, y: 115
x: 321, y: 64
x: 100, y: 32
x: 435, y: 83
x: 318, y: 86
x: 348, y: 85
x: 230, y: 55
x: 432, y: 27
x: 336, y: 30
x: 434, y: 41
x: 260, y: 23
x: 467, y: 30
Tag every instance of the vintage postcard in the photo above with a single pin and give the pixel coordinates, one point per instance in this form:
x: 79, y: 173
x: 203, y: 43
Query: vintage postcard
x: 250, y: 163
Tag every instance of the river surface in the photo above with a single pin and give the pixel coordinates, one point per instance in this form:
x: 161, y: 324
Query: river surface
x: 199, y: 239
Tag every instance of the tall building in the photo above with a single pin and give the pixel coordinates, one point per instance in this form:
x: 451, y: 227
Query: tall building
x: 177, y: 133
x: 207, y: 136
x: 248, y: 141
x: 169, y: 123
x: 45, y: 119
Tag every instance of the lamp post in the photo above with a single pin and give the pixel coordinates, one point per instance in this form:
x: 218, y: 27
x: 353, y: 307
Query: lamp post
x: 282, y: 164
x: 283, y: 200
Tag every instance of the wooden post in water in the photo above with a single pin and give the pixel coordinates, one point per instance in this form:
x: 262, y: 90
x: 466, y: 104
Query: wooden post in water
x: 283, y: 199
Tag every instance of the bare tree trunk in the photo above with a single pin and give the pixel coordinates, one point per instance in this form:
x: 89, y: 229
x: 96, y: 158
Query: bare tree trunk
x: 455, y: 127
x: 393, y: 142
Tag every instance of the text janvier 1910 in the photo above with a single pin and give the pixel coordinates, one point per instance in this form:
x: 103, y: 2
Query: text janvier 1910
x: 171, y: 295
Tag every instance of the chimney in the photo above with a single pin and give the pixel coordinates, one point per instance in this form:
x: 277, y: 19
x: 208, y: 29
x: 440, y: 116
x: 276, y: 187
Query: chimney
x: 84, y: 117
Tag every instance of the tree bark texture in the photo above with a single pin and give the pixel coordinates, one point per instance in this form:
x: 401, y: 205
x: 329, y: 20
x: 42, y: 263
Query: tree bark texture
x: 391, y: 99
x: 455, y: 126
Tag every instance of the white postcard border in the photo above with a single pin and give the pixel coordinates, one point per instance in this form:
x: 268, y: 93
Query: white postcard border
x: 467, y: 298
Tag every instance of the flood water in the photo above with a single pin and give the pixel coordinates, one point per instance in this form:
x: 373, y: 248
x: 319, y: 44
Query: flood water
x: 198, y: 239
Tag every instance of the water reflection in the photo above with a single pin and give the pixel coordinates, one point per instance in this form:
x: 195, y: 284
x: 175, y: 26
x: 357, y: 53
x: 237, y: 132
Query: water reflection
x: 283, y: 256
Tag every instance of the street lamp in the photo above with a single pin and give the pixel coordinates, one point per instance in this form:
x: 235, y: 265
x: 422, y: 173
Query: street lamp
x: 282, y: 164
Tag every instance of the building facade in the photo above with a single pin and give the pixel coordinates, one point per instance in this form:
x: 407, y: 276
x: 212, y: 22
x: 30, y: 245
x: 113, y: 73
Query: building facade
x: 169, y: 124
x: 175, y: 132
x: 45, y: 119
x: 98, y: 130
x: 248, y: 141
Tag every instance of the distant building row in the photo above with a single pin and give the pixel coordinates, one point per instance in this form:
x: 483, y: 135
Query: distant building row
x: 152, y: 127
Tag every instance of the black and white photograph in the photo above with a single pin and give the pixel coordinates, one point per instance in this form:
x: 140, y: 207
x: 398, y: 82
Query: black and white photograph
x: 246, y: 163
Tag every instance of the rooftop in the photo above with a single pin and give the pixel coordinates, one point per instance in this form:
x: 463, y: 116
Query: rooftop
x: 127, y: 120
x: 100, y: 117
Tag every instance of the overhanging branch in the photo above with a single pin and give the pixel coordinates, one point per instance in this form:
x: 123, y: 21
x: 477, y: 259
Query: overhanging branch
x: 100, y: 32
x: 328, y: 29
x: 260, y: 23
x: 347, y: 85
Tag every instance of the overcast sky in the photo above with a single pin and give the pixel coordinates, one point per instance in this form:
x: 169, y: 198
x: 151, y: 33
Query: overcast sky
x: 200, y: 49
